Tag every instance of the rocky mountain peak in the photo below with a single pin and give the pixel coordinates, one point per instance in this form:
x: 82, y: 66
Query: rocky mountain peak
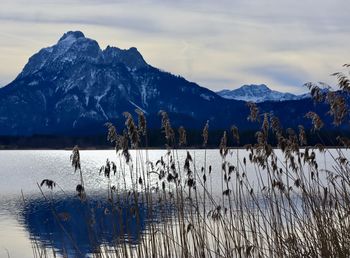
x: 131, y: 57
x: 72, y: 35
x: 74, y: 49
x: 71, y: 48
x: 258, y: 93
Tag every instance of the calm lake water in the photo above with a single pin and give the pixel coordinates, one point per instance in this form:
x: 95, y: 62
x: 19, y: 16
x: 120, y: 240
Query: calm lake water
x: 24, y: 213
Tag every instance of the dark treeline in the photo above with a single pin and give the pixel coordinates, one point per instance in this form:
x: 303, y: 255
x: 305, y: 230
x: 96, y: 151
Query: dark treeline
x: 155, y: 139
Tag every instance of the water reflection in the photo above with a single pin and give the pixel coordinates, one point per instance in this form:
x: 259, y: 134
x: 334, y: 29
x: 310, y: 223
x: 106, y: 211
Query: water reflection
x: 75, y: 227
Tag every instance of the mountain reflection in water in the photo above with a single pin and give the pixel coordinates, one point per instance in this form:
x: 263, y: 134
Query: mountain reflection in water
x: 75, y: 227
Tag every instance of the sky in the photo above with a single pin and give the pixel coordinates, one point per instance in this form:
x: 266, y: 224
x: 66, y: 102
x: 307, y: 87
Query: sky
x: 219, y: 44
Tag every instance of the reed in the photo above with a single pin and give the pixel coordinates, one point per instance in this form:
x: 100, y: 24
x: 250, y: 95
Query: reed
x: 294, y: 207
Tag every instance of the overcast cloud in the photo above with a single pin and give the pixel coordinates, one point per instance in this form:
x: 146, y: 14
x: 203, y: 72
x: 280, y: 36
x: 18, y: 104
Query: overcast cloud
x: 218, y: 44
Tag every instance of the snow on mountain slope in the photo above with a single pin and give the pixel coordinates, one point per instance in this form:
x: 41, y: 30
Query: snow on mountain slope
x: 75, y: 84
x: 75, y: 87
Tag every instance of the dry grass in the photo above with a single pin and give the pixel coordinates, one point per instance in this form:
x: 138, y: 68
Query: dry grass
x: 294, y: 209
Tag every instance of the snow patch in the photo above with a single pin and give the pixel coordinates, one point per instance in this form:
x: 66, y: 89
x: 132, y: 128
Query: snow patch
x: 90, y: 114
x: 98, y: 106
x: 132, y: 103
x: 206, y: 97
x: 68, y: 41
x: 144, y: 94
x: 33, y: 83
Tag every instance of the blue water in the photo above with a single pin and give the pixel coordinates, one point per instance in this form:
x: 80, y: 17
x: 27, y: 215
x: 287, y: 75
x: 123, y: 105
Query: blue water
x: 29, y: 218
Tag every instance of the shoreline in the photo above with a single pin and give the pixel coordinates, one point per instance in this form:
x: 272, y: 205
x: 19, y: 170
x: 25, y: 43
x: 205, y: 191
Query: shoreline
x: 158, y: 148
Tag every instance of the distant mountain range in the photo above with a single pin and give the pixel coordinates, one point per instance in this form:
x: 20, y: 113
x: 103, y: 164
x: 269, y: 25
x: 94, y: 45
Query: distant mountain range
x: 74, y: 87
x: 259, y: 93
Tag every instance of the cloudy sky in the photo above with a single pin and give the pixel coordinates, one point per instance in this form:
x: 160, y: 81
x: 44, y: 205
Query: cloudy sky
x: 216, y: 43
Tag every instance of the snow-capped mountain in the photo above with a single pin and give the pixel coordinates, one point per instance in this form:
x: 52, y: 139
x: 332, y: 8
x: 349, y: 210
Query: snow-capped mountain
x: 74, y: 87
x: 259, y: 93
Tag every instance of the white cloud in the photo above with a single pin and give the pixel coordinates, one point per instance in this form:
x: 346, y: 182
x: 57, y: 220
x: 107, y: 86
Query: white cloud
x: 218, y: 44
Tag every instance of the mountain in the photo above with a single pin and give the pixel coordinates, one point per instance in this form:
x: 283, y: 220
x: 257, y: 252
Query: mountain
x: 74, y: 87
x: 259, y: 93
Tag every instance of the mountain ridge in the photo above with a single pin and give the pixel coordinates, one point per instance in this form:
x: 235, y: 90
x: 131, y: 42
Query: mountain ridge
x: 75, y: 84
x: 74, y: 87
x: 259, y: 93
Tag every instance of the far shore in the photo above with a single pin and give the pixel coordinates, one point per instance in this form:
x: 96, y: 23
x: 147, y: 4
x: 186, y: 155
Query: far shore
x: 4, y: 148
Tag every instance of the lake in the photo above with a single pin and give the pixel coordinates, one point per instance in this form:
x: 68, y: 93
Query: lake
x: 24, y: 212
